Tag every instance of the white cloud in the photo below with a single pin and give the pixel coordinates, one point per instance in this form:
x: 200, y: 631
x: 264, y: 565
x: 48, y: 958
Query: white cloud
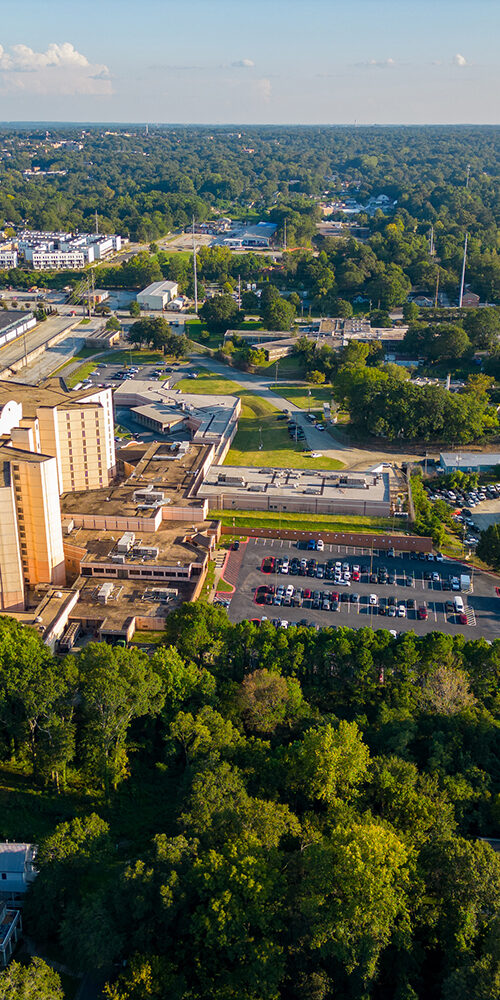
x: 243, y: 63
x: 460, y: 60
x: 61, y: 69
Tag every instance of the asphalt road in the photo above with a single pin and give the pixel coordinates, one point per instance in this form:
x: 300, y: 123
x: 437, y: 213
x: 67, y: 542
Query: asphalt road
x: 483, y: 602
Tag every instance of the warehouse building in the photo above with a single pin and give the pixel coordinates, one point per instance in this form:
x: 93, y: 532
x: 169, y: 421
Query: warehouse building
x: 158, y: 295
x: 13, y: 323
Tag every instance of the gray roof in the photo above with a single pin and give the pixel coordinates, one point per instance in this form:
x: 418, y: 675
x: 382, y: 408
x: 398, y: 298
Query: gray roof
x: 159, y: 288
x: 13, y: 857
x: 466, y: 459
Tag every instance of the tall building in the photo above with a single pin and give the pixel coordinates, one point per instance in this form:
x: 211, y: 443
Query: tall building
x: 51, y: 442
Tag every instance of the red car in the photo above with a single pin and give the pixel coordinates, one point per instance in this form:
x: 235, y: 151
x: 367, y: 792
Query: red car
x: 462, y: 619
x: 355, y: 576
x: 422, y: 613
x: 307, y: 594
x: 334, y: 597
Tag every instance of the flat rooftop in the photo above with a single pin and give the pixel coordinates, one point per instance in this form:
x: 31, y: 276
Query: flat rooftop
x: 207, y: 415
x: 163, y: 466
x: 128, y: 599
x: 51, y: 393
x: 172, y: 540
x: 10, y: 317
x: 295, y: 483
x: 159, y: 287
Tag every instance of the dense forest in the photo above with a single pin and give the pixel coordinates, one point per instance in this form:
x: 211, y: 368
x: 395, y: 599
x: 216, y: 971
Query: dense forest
x: 143, y: 186
x: 279, y: 814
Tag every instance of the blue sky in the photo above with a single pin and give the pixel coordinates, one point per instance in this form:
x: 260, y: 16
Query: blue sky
x: 259, y: 61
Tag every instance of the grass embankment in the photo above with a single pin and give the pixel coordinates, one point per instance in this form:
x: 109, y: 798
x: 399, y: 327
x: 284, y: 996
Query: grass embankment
x: 83, y: 371
x: 148, y: 638
x: 290, y: 367
x: 301, y: 522
x: 258, y: 425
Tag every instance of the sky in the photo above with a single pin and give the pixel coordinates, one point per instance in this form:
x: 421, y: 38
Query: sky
x: 250, y: 61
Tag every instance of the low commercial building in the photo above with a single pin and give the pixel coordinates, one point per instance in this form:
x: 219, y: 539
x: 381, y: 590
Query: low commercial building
x: 469, y: 461
x: 157, y: 295
x: 297, y: 491
x: 57, y: 260
x: 13, y: 323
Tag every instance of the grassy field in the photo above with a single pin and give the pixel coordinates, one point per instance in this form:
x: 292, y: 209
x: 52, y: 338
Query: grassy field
x: 258, y: 424
x: 298, y: 394
x: 263, y: 440
x: 300, y: 522
x: 291, y: 367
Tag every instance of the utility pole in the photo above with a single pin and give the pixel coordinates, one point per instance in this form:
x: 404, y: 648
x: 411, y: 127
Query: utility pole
x: 239, y: 291
x: 195, y: 269
x: 277, y: 363
x: 431, y: 249
x: 437, y: 290
x: 462, y: 281
x: 468, y: 176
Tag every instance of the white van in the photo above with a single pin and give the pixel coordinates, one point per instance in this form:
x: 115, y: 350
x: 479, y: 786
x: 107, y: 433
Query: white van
x: 459, y: 605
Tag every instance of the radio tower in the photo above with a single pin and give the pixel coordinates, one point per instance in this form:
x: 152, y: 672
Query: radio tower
x: 195, y: 269
x: 460, y: 297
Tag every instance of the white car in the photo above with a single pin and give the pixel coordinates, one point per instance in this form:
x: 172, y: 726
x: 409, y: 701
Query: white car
x: 401, y: 611
x: 373, y: 600
x: 342, y: 583
x: 338, y: 566
x: 289, y: 592
x: 439, y: 557
x: 347, y: 575
x: 356, y: 569
x: 283, y: 623
x: 320, y: 545
x: 285, y: 566
x: 436, y: 578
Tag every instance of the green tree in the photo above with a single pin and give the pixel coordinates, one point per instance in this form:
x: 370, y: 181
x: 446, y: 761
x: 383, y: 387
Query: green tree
x: 488, y: 548
x: 113, y: 324
x: 134, y: 309
x: 36, y: 981
x: 116, y: 686
x: 278, y: 314
x: 330, y: 763
x: 411, y: 312
x: 220, y: 313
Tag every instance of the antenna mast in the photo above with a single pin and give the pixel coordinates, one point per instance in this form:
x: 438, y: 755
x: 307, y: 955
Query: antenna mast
x: 195, y: 269
x: 431, y: 249
x: 460, y: 297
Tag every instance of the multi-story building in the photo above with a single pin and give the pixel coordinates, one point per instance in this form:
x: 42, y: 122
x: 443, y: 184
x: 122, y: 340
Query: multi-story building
x: 56, y: 251
x: 8, y: 256
x: 51, y: 442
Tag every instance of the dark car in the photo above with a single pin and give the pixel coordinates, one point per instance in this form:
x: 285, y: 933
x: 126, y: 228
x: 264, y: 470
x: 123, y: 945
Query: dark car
x: 344, y: 597
x: 354, y: 598
x: 364, y: 569
x: 391, y: 601
x: 409, y: 581
x: 449, y: 608
x: 410, y: 604
x: 236, y: 545
x: 391, y: 579
x: 373, y: 578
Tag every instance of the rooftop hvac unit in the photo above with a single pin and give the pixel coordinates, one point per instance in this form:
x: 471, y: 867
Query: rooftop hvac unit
x: 118, y: 558
x: 104, y: 593
x: 150, y: 552
x: 125, y: 542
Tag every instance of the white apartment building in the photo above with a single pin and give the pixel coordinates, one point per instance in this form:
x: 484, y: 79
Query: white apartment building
x: 57, y: 260
x: 8, y: 258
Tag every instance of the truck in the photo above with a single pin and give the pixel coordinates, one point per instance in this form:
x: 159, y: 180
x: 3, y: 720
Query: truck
x: 465, y: 583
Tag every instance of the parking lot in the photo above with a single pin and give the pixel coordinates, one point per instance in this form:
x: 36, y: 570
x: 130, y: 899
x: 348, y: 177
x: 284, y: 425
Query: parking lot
x: 410, y: 583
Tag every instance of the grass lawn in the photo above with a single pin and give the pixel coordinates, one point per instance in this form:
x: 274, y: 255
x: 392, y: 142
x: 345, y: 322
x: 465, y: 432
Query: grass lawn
x: 277, y: 451
x: 197, y: 331
x: 224, y: 587
x: 134, y: 356
x: 298, y: 394
x: 211, y: 385
x: 290, y: 367
x: 258, y: 424
x: 300, y: 522
x: 80, y: 373
x: 148, y: 638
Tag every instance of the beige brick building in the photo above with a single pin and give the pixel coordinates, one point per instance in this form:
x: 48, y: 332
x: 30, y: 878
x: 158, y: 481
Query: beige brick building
x: 51, y: 442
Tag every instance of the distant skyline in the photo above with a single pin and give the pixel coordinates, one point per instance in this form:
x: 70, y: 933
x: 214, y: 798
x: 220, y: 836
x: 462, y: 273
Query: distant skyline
x: 268, y: 61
